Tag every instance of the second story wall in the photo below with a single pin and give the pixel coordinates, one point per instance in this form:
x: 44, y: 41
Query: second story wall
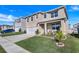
x: 31, y: 21
x: 17, y: 24
x: 53, y: 15
x: 23, y: 24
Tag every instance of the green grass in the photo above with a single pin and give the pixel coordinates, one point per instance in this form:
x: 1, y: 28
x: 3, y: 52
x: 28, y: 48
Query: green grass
x: 71, y: 45
x: 2, y: 50
x: 0, y: 31
x: 46, y: 45
x: 38, y: 44
x: 12, y: 33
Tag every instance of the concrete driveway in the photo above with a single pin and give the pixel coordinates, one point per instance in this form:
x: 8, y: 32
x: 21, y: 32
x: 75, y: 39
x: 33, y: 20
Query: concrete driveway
x: 10, y: 47
x: 8, y: 43
x: 17, y: 38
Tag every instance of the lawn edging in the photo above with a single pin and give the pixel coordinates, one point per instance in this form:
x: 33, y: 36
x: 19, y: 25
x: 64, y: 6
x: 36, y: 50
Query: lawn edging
x: 10, y: 34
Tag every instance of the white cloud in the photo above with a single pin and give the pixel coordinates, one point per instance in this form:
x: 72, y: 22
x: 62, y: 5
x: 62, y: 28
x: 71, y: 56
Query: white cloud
x: 12, y: 10
x: 7, y: 18
x: 74, y: 8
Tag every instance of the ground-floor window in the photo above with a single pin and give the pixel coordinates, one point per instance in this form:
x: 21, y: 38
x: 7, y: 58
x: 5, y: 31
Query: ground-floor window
x: 55, y: 26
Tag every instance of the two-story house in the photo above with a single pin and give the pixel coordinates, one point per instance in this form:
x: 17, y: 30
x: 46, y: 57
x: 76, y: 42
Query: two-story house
x: 20, y: 24
x: 55, y: 19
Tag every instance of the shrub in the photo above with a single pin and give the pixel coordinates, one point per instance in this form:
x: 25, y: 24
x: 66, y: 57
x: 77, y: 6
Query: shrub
x: 59, y: 36
x: 50, y: 33
x: 75, y: 35
x: 20, y: 30
x: 24, y: 31
x: 37, y: 31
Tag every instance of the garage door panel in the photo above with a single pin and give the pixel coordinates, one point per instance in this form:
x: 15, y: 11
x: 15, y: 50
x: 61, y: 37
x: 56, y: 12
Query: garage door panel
x: 31, y: 30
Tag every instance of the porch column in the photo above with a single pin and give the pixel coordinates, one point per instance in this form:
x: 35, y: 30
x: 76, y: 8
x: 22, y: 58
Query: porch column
x: 45, y: 27
x: 37, y: 25
x: 63, y: 26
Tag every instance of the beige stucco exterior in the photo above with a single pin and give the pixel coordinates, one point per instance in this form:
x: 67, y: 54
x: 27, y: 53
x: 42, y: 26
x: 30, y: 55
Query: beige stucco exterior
x: 43, y: 24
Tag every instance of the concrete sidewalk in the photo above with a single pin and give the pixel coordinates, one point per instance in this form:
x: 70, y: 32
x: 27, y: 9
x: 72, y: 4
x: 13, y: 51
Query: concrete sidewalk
x: 10, y: 47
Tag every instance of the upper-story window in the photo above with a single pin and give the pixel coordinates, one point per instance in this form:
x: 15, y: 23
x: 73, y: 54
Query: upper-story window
x: 32, y: 18
x: 28, y: 19
x: 54, y: 14
x: 36, y: 16
x: 45, y: 15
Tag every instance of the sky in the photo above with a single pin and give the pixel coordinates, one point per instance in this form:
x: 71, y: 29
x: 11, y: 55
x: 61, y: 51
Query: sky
x: 8, y: 13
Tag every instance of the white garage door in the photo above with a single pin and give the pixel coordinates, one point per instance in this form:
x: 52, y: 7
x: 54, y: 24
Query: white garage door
x: 31, y: 30
x: 16, y: 29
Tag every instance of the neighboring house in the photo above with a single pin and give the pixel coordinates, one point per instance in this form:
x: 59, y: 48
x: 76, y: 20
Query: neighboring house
x: 70, y: 30
x: 5, y: 27
x: 53, y: 20
x: 76, y: 28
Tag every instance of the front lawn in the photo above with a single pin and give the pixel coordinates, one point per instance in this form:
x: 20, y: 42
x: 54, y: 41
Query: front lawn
x: 46, y: 45
x: 1, y: 50
x: 12, y: 33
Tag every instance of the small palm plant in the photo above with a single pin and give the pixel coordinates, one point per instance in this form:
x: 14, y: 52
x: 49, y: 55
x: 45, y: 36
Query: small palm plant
x: 59, y: 38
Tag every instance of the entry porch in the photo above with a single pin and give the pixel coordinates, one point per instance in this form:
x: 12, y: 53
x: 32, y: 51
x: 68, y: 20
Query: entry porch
x: 45, y: 27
